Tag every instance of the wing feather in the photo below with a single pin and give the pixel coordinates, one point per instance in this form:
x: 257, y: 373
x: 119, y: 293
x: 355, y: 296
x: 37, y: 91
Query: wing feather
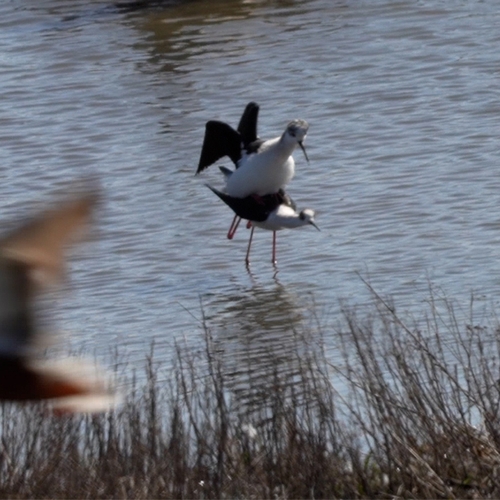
x: 220, y: 140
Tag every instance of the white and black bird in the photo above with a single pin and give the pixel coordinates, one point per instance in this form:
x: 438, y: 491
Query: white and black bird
x: 31, y: 258
x: 262, y: 166
x: 273, y: 212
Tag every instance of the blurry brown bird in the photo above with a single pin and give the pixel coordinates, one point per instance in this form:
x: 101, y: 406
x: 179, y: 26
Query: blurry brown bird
x: 32, y: 257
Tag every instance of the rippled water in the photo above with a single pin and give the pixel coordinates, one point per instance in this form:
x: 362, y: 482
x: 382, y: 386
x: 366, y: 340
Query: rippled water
x: 403, y: 102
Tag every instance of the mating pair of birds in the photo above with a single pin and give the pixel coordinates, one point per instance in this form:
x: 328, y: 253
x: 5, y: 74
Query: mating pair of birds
x: 255, y: 189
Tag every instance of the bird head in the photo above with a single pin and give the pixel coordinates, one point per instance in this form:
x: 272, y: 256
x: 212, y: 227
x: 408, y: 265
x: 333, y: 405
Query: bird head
x: 307, y: 215
x: 296, y: 130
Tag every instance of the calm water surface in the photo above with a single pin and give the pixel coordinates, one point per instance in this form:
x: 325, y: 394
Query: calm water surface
x: 403, y: 103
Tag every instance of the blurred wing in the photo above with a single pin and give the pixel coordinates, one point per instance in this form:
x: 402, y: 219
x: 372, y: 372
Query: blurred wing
x: 73, y: 385
x: 248, y: 124
x: 39, y: 244
x: 220, y: 140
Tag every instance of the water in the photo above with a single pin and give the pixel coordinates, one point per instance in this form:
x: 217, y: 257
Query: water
x: 402, y: 99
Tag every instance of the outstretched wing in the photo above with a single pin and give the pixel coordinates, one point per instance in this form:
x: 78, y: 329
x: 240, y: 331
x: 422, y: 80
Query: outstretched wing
x: 39, y: 244
x: 220, y: 140
x: 248, y: 124
x: 254, y: 208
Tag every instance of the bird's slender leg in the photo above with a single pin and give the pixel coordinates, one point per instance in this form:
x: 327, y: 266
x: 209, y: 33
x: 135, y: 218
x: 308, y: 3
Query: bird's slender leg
x: 249, y: 224
x: 274, y: 247
x: 234, y: 226
x: 247, y: 258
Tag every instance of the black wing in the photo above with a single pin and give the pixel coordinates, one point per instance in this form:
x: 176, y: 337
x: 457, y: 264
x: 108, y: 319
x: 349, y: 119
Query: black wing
x: 252, y: 207
x: 248, y: 124
x: 220, y: 140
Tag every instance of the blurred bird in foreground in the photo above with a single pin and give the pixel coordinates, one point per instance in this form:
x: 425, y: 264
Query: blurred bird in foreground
x: 31, y: 258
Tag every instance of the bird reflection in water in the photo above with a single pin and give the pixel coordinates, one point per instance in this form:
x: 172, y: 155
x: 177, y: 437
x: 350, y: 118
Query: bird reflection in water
x: 262, y: 340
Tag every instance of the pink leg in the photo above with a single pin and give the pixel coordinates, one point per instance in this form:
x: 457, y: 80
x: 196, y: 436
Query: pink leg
x: 234, y: 226
x: 247, y: 258
x: 274, y: 247
x: 249, y: 224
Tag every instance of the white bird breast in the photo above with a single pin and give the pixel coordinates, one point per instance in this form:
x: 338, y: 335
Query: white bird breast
x: 260, y: 174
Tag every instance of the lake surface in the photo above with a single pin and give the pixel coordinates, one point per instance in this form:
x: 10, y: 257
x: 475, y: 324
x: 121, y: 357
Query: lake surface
x: 403, y: 103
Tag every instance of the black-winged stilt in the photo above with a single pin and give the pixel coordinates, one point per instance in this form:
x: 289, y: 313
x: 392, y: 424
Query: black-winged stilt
x: 262, y: 167
x: 31, y: 258
x: 272, y: 212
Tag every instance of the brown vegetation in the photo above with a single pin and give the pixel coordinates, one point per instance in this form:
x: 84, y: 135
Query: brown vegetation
x: 416, y: 417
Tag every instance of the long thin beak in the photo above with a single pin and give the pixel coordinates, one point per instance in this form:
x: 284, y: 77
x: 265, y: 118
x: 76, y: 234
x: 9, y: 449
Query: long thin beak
x: 314, y: 224
x: 303, y: 150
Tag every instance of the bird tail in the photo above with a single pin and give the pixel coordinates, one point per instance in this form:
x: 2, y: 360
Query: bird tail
x: 226, y: 171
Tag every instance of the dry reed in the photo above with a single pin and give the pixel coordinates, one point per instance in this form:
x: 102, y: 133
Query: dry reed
x: 416, y: 417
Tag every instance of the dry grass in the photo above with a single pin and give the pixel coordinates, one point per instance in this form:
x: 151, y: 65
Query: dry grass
x: 417, y: 417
